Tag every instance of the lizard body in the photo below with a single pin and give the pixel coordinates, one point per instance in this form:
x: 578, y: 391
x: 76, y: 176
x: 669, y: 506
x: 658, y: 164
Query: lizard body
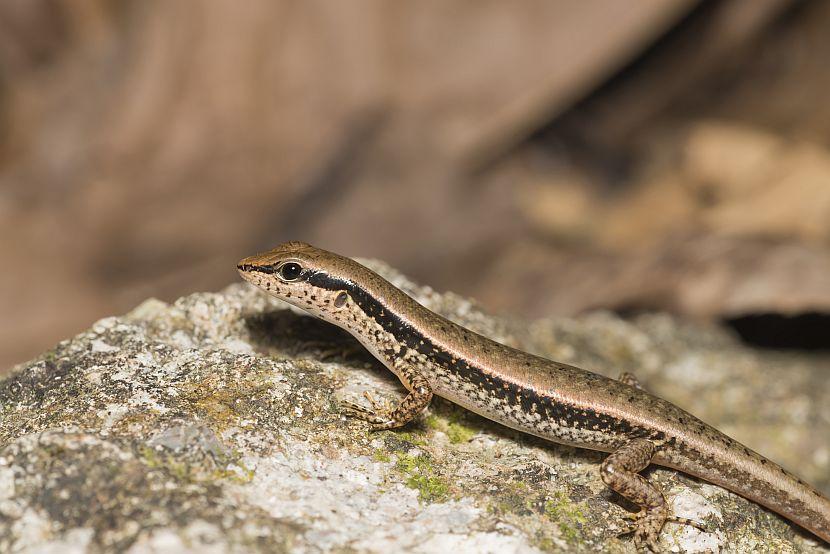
x: 561, y: 403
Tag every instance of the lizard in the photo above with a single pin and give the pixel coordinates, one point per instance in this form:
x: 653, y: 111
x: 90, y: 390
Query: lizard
x: 561, y: 403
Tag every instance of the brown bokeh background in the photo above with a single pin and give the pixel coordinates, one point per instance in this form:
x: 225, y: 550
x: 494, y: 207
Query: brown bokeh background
x: 546, y: 157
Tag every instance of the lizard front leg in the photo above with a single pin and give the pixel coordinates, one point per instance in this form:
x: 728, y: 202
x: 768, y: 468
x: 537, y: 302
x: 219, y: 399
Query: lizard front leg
x: 386, y: 416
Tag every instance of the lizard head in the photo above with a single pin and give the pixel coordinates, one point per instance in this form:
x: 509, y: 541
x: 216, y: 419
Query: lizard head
x: 310, y: 278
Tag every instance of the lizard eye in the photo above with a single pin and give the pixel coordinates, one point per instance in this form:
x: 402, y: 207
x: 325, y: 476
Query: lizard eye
x: 290, y: 271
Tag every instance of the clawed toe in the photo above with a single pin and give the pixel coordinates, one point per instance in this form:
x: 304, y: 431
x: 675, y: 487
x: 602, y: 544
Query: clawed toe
x: 631, y: 526
x: 355, y: 410
x: 644, y: 539
x: 384, y: 415
x: 359, y: 412
x: 377, y: 416
x: 686, y: 521
x: 382, y: 407
x: 376, y: 413
x: 650, y: 542
x: 646, y: 528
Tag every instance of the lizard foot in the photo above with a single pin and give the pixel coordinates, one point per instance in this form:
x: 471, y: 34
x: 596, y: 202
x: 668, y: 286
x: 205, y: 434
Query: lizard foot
x: 647, y: 524
x: 379, y: 416
x: 646, y: 527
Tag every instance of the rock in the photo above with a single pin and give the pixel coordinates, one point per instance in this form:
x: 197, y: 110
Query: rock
x: 212, y: 425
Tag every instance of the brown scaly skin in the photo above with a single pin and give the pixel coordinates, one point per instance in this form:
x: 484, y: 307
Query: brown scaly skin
x: 558, y: 402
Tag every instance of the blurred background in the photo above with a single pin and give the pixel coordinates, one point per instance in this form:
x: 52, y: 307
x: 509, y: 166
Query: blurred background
x: 545, y: 157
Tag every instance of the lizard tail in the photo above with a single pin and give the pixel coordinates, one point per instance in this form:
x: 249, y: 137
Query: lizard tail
x: 753, y: 476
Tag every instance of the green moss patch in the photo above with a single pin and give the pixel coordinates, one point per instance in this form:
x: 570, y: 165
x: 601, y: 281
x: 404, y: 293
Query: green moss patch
x: 567, y: 515
x: 456, y: 431
x: 421, y: 476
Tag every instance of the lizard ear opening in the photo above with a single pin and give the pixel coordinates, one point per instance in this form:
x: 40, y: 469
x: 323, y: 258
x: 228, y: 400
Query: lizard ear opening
x: 341, y: 299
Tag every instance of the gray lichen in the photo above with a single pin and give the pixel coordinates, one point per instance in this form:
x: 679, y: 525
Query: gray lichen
x: 212, y: 424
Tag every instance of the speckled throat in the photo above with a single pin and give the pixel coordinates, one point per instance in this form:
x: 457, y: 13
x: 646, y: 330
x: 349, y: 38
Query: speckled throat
x: 558, y: 402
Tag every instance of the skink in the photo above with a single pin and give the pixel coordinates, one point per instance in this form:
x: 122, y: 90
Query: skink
x: 561, y: 403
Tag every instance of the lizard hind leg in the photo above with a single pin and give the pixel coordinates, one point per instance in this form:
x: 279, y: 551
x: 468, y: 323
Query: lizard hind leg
x: 620, y: 472
x: 629, y: 379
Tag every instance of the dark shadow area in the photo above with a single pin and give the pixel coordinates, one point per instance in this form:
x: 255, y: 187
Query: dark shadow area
x: 807, y: 331
x: 296, y: 335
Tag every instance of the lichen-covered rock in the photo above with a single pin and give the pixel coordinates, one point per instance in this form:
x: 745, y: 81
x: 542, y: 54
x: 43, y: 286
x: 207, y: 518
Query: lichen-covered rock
x: 212, y: 425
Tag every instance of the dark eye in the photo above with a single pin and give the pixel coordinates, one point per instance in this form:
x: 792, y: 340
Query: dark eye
x: 290, y: 271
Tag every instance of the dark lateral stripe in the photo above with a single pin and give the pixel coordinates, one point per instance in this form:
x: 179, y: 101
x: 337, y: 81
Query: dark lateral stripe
x: 371, y: 306
x: 530, y: 399
x: 269, y: 269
